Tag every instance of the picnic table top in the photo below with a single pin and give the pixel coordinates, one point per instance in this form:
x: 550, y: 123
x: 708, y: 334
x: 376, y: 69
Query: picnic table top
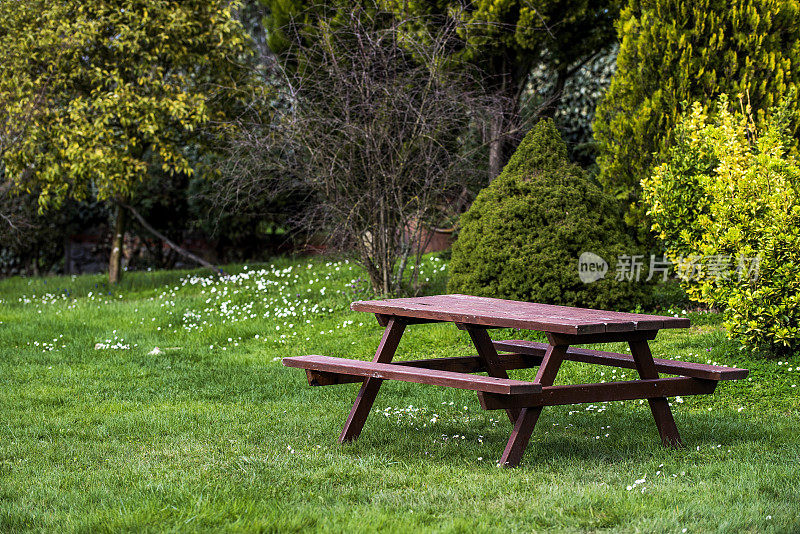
x: 499, y: 313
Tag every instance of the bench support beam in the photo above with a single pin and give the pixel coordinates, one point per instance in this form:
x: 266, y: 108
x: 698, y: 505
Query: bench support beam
x: 457, y: 364
x: 613, y: 359
x: 490, y: 360
x: 604, y: 392
x: 369, y: 389
x: 523, y: 428
x: 662, y: 413
x: 406, y: 373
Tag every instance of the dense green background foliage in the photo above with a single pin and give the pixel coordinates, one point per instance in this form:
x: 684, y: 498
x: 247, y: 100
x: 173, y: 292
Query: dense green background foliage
x: 576, y: 107
x: 505, y: 40
x: 727, y: 194
x: 126, y: 94
x: 522, y: 237
x: 678, y: 51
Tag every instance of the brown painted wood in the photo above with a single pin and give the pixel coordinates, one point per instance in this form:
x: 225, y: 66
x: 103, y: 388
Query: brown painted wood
x: 369, y: 389
x: 491, y: 361
x: 322, y: 378
x: 383, y: 320
x: 526, y: 422
x: 613, y: 359
x: 564, y: 327
x: 498, y: 313
x: 659, y: 406
x: 459, y: 364
x: 412, y: 374
x: 603, y: 337
x: 605, y: 392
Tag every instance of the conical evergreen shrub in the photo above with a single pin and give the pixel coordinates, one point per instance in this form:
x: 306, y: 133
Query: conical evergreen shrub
x: 524, y: 234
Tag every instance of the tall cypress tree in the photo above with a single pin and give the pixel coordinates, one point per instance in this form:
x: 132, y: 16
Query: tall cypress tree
x: 678, y: 51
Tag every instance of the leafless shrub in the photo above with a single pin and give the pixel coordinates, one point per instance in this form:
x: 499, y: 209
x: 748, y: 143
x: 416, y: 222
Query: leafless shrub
x: 378, y: 131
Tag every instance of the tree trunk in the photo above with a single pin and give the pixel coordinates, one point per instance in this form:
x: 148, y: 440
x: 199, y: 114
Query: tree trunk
x: 373, y: 272
x: 115, y: 260
x: 554, y: 98
x: 496, y: 139
x: 67, y: 255
x: 496, y: 125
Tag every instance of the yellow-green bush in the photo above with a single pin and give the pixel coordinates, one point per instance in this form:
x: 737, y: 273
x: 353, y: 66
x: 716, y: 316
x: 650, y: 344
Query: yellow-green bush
x: 525, y: 232
x: 676, y: 51
x: 728, y: 194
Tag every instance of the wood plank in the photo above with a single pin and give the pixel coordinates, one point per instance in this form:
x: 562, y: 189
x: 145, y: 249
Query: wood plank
x: 659, y: 406
x: 495, y: 313
x: 499, y: 313
x: 518, y: 441
x: 395, y: 327
x: 411, y: 374
x: 459, y: 364
x: 601, y: 337
x: 383, y: 320
x: 605, y: 392
x: 324, y: 378
x: 625, y: 361
x: 491, y: 361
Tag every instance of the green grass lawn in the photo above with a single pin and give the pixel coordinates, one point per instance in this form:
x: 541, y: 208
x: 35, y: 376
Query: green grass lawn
x: 100, y: 432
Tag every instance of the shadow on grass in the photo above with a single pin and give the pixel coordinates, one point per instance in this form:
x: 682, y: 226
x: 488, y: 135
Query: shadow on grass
x: 634, y: 439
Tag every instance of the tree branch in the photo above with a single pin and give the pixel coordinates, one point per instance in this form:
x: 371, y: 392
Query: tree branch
x: 180, y: 250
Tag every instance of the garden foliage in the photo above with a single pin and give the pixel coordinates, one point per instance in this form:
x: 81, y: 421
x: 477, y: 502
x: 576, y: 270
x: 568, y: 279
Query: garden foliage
x: 121, y: 95
x: 523, y: 235
x: 374, y: 140
x: 126, y: 89
x: 677, y: 51
x: 726, y: 205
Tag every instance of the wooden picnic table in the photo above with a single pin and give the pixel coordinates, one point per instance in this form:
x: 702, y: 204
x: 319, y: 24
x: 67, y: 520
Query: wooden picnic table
x: 522, y: 400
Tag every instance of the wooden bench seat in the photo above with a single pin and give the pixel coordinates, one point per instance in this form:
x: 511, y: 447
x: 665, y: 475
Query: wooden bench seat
x: 407, y: 373
x: 458, y: 364
x: 613, y: 359
x: 603, y: 392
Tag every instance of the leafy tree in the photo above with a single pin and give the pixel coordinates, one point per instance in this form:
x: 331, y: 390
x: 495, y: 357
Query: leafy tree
x: 677, y: 51
x: 133, y: 86
x: 17, y: 115
x: 505, y: 39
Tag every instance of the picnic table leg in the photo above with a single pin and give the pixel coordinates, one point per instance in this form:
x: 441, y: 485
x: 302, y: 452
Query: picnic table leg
x: 369, y: 389
x: 487, y: 353
x: 528, y: 417
x: 659, y: 406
